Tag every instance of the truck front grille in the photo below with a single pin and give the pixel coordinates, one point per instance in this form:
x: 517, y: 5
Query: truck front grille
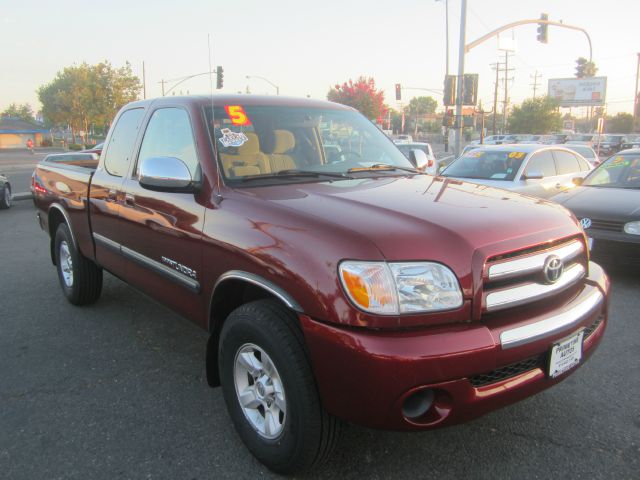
x: 532, y: 274
x: 606, y: 225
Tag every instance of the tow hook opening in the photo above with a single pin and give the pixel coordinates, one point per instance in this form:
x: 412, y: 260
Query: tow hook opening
x: 417, y: 404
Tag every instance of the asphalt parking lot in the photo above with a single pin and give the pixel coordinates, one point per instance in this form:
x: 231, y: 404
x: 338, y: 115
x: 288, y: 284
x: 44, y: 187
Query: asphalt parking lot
x: 118, y: 390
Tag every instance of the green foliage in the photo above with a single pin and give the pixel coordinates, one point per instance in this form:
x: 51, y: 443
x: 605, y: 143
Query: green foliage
x: 585, y: 68
x: 361, y: 95
x: 621, y: 123
x: 536, y: 116
x: 23, y: 112
x: 75, y: 147
x: 88, y: 94
x: 422, y: 105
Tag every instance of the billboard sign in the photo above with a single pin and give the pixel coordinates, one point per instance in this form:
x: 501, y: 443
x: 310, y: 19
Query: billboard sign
x: 578, y: 92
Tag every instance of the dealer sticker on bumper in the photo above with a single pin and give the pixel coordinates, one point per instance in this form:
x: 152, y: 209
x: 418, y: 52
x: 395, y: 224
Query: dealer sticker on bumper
x: 565, y: 355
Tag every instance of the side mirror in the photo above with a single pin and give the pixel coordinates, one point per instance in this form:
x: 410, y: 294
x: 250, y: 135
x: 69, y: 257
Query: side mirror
x: 419, y: 159
x: 577, y: 181
x: 533, y: 175
x: 165, y: 174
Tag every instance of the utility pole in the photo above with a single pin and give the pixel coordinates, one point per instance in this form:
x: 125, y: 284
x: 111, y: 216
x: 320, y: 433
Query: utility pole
x: 461, y: 51
x: 144, y: 83
x: 506, y: 92
x: 535, y: 82
x: 495, y: 95
x: 635, y: 97
x: 162, y: 82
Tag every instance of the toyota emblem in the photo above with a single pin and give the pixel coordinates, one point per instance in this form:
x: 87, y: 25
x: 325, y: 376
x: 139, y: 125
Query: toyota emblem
x: 553, y: 268
x: 586, y: 223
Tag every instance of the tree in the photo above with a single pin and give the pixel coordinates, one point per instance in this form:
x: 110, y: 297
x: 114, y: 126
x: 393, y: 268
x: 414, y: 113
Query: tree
x: 361, y: 95
x: 621, y: 123
x: 423, y: 105
x: 23, y: 112
x: 585, y: 68
x: 88, y: 94
x: 536, y: 115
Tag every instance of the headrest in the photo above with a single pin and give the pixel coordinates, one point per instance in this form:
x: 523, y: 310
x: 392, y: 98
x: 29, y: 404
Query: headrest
x: 251, y: 146
x: 284, y: 141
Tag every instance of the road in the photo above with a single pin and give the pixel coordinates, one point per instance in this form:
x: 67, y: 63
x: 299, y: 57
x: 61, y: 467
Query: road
x: 18, y: 167
x: 118, y: 390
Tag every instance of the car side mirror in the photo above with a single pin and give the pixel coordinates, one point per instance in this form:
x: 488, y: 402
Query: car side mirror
x: 419, y: 159
x: 577, y: 181
x: 533, y: 175
x: 165, y: 174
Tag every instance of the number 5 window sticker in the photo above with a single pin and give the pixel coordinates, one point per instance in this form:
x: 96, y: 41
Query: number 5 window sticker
x: 237, y: 115
x: 517, y: 155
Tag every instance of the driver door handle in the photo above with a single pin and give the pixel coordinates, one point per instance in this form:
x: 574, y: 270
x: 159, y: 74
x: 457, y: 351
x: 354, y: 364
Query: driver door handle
x: 129, y: 200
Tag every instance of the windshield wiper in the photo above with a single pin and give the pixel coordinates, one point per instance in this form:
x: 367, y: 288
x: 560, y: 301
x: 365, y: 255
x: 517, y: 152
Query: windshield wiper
x: 295, y: 173
x: 381, y: 167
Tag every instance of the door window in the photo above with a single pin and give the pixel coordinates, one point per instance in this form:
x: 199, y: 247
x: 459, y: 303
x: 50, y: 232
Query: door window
x: 566, y: 162
x: 542, y: 162
x: 169, y: 134
x: 120, y: 147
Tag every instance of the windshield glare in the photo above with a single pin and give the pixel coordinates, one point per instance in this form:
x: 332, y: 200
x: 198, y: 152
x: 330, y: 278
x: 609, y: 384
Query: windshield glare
x: 622, y: 171
x: 487, y: 164
x: 258, y: 142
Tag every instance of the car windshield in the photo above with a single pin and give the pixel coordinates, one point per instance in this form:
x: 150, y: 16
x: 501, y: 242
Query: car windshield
x: 273, y: 144
x: 612, y: 138
x: 487, y: 164
x: 619, y: 171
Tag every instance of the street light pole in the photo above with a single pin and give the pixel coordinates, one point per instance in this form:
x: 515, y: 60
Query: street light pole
x: 635, y: 97
x: 458, y: 120
x: 266, y: 80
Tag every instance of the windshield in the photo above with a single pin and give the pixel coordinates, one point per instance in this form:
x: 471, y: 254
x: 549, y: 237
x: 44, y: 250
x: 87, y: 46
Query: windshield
x: 619, y: 171
x: 283, y: 143
x: 487, y: 165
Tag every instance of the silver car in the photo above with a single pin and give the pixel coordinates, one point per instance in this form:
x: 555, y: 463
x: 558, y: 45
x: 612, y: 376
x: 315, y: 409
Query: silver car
x: 537, y: 170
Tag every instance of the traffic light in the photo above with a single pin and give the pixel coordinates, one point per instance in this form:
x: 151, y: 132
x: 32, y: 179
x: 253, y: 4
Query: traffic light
x: 470, y: 89
x: 398, y: 92
x: 219, y: 77
x: 448, y: 119
x: 580, y: 67
x: 449, y: 97
x: 543, y: 29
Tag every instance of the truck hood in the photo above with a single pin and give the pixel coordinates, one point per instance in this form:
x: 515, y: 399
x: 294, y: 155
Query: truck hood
x: 426, y: 218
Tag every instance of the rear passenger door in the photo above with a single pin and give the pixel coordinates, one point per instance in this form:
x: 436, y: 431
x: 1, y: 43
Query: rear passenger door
x: 540, y: 162
x: 106, y: 196
x: 162, y: 230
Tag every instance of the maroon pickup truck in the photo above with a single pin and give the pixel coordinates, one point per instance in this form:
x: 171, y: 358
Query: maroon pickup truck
x: 337, y: 281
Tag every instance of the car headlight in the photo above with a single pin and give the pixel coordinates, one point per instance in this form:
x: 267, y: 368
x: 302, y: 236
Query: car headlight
x: 633, y: 228
x: 405, y: 287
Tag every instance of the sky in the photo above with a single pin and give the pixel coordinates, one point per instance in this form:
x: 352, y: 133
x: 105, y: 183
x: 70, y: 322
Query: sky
x: 306, y: 47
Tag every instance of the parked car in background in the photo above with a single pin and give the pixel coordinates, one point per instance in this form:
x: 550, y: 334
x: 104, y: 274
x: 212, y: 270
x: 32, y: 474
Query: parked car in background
x: 588, y: 153
x: 537, y: 170
x: 5, y: 192
x: 529, y: 139
x: 510, y: 139
x: 432, y: 164
x: 490, y: 140
x: 607, y: 203
x: 631, y: 141
x: 403, y: 138
x: 558, y: 138
x: 97, y: 149
x: 610, y: 144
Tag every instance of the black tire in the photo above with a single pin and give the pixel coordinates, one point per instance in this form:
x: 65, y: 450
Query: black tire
x: 80, y: 279
x: 5, y: 197
x: 308, y: 434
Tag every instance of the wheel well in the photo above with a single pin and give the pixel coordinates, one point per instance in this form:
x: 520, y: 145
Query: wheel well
x: 228, y: 296
x: 55, y: 218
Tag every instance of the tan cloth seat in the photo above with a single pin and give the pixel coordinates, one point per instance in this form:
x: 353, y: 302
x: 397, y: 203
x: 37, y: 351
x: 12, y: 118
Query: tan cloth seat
x: 249, y: 155
x: 284, y: 142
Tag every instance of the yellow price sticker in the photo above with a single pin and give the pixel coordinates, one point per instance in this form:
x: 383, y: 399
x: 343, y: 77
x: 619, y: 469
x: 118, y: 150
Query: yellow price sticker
x: 517, y: 155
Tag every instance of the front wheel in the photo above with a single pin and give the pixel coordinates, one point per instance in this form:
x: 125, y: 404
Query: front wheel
x: 270, y: 391
x: 5, y: 196
x: 80, y: 278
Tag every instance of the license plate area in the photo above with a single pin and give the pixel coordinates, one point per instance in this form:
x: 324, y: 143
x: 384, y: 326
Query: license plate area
x: 565, y: 355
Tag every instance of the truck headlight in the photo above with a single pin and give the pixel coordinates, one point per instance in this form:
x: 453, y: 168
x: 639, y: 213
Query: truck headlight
x: 633, y: 228
x: 404, y: 287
